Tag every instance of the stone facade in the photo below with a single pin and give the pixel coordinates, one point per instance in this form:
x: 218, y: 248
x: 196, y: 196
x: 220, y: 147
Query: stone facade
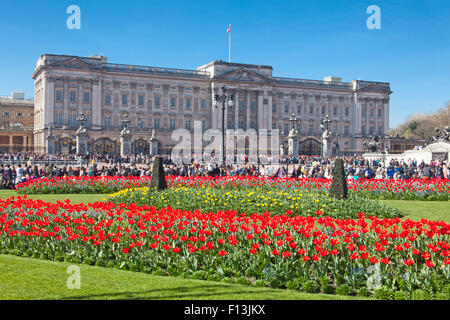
x: 16, y: 124
x: 165, y: 99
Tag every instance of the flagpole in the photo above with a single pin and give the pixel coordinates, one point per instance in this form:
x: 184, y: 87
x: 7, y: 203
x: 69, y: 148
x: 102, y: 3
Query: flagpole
x: 229, y: 45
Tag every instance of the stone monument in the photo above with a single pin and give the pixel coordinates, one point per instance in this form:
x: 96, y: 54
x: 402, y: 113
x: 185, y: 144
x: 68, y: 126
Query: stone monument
x: 326, y: 135
x: 153, y: 144
x: 50, y: 147
x: 125, y: 138
x: 292, y: 142
x: 82, y: 136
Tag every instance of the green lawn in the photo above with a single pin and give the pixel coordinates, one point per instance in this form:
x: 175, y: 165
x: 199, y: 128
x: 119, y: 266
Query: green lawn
x: 74, y: 198
x: 416, y: 210
x: 24, y: 278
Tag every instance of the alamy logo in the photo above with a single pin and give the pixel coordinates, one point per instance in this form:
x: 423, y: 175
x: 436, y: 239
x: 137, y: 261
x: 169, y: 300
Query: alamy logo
x: 374, y: 21
x: 74, y: 280
x: 260, y: 147
x: 74, y: 20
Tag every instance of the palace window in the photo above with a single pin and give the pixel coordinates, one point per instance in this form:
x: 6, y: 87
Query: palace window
x: 286, y: 108
x: 380, y: 112
x: 6, y: 114
x: 311, y: 109
x: 347, y: 111
x: 188, y: 103
x: 188, y: 124
x: 156, y: 123
x: 203, y: 125
x: 141, y: 101
x: 335, y: 111
x: 107, y: 122
x: 299, y: 109
x: 58, y: 95
x: 173, y: 102
x: 324, y: 110
x: 157, y: 102
x: 59, y: 119
x: 203, y: 104
x: 311, y: 129
x: 173, y: 124
x: 107, y: 99
x: 140, y: 123
x: 73, y: 96
x: 124, y: 100
x: 19, y: 114
x: 274, y: 107
x: 87, y: 97
x: 72, y: 119
x: 346, y: 130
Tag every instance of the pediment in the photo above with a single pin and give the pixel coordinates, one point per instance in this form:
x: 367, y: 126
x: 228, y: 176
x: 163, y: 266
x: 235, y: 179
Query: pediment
x: 374, y: 87
x: 73, y: 63
x: 243, y: 74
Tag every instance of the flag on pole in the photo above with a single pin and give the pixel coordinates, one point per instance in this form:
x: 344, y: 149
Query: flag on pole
x: 229, y: 42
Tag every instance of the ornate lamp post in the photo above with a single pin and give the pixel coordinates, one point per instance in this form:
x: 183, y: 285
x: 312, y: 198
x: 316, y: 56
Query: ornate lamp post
x: 226, y: 99
x: 337, y: 135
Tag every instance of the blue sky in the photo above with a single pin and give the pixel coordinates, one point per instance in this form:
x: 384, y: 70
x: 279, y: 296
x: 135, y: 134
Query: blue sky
x: 302, y: 39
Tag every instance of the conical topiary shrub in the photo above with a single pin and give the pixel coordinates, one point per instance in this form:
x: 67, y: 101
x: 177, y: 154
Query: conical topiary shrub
x: 339, y: 183
x: 158, y: 180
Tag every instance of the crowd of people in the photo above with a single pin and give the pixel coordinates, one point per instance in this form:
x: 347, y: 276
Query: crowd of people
x: 28, y: 167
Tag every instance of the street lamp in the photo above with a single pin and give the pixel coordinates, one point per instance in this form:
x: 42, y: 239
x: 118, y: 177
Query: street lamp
x: 337, y: 135
x: 226, y: 99
x: 294, y: 121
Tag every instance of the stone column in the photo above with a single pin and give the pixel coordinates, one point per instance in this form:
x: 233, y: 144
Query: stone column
x: 24, y: 143
x: 356, y: 115
x: 49, y: 101
x: 80, y: 96
x: 269, y: 111
x: 66, y: 100
x: 11, y: 144
x: 248, y: 110
x: 236, y: 110
x: 260, y: 118
x: 50, y: 147
x: 386, y: 115
x: 213, y: 109
x: 96, y: 103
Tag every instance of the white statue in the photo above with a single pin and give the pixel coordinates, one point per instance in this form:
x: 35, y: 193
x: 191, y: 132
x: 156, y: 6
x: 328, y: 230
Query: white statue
x: 325, y: 137
x: 292, y: 139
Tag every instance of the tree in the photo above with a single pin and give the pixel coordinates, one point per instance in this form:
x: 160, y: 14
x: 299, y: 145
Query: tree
x: 421, y: 126
x: 158, y: 180
x: 339, y: 183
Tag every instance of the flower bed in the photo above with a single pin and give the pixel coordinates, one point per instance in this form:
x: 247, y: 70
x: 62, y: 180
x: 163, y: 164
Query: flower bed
x: 297, y: 201
x: 436, y: 190
x: 386, y: 257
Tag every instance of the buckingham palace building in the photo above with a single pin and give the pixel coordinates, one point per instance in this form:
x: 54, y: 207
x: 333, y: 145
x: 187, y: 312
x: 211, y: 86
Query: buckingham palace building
x: 160, y: 100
